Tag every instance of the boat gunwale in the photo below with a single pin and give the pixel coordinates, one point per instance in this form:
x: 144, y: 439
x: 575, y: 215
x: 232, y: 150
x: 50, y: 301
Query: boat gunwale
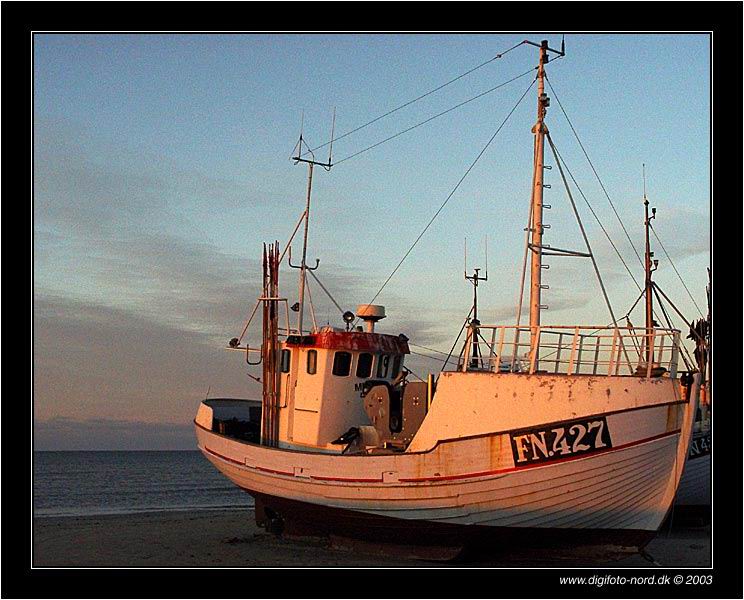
x: 438, y: 442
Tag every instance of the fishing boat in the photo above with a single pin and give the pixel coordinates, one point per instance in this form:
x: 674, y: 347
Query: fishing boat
x: 554, y: 434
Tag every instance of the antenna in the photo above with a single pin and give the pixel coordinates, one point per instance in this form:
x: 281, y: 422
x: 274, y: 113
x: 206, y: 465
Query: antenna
x: 486, y: 256
x: 333, y: 129
x: 311, y: 162
x: 466, y: 258
x: 297, y: 150
x: 475, y: 279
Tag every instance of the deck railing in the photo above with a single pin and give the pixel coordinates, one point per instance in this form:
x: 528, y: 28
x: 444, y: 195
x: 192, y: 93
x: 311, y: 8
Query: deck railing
x: 571, y: 350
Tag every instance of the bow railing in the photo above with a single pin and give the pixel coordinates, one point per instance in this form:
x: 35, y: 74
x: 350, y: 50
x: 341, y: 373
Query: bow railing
x: 571, y: 350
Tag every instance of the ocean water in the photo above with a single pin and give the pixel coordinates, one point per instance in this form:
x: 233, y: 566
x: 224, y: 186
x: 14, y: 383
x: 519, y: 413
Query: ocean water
x: 96, y: 483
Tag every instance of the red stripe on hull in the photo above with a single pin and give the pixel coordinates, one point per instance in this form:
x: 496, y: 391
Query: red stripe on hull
x: 543, y: 464
x: 456, y: 477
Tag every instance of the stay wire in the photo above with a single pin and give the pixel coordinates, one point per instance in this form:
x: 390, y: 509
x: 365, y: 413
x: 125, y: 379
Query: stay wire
x: 599, y: 222
x: 452, y: 193
x: 457, y: 339
x: 427, y: 348
x: 421, y: 97
x: 671, y: 262
x: 424, y: 122
x: 591, y: 164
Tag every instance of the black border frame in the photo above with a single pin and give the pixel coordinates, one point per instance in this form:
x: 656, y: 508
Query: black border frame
x: 722, y: 18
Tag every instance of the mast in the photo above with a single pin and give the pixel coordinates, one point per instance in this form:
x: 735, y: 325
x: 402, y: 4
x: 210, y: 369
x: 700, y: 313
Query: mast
x: 648, y: 283
x: 270, y: 347
x: 303, y: 264
x: 311, y: 162
x: 474, y: 322
x: 537, y: 202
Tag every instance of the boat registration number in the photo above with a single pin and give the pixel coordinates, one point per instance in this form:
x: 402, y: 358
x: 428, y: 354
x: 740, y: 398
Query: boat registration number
x: 700, y: 445
x: 560, y: 440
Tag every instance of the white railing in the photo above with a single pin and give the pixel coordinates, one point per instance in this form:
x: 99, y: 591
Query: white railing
x: 571, y: 350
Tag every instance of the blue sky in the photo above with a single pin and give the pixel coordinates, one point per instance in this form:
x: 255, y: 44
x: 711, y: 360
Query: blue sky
x: 162, y: 164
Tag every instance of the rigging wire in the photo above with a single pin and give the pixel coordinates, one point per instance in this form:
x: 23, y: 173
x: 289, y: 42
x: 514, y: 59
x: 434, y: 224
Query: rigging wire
x: 427, y: 348
x: 322, y: 287
x: 412, y: 127
x: 607, y: 235
x: 421, y: 97
x: 429, y: 356
x: 312, y: 307
x: 449, y: 196
x: 416, y: 375
x: 591, y: 164
x: 581, y: 227
x: 671, y: 262
x: 685, y: 353
x: 457, y: 339
x: 599, y: 222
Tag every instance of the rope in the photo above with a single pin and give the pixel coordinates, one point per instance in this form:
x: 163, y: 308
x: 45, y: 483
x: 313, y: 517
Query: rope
x: 421, y: 97
x: 449, y: 196
x: 669, y: 258
x: 576, y: 135
x: 412, y: 127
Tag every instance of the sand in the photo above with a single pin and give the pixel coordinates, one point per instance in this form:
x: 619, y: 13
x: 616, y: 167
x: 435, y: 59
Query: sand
x: 231, y: 538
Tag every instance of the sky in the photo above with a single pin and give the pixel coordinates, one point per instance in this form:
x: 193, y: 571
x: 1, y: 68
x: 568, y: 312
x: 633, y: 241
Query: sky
x: 162, y: 163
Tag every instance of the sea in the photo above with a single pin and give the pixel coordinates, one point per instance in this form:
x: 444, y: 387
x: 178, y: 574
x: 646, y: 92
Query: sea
x: 126, y: 482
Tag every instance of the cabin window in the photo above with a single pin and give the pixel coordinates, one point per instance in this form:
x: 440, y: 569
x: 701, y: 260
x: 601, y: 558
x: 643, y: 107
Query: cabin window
x: 396, y: 366
x: 285, y: 360
x: 364, y: 365
x: 312, y: 362
x: 383, y: 366
x: 342, y: 364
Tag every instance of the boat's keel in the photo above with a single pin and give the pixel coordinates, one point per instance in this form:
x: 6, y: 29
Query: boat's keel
x: 380, y: 535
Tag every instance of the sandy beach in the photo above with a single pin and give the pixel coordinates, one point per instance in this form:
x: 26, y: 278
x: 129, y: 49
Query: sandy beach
x: 232, y: 539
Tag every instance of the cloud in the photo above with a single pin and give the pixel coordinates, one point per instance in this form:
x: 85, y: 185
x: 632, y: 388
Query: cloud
x: 94, y: 361
x: 87, y: 186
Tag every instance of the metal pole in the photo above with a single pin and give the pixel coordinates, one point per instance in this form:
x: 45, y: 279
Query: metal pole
x: 649, y: 284
x: 304, y: 250
x: 537, y: 206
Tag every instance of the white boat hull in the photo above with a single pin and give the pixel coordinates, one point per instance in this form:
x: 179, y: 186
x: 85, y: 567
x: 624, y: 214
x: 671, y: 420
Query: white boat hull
x: 474, y: 482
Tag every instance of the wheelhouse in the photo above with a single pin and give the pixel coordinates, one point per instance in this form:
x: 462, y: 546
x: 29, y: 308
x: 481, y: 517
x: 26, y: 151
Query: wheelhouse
x: 324, y: 377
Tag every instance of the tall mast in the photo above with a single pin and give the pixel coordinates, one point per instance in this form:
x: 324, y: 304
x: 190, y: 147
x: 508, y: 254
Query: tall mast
x: 648, y: 271
x: 311, y: 162
x: 303, y: 264
x: 537, y: 201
